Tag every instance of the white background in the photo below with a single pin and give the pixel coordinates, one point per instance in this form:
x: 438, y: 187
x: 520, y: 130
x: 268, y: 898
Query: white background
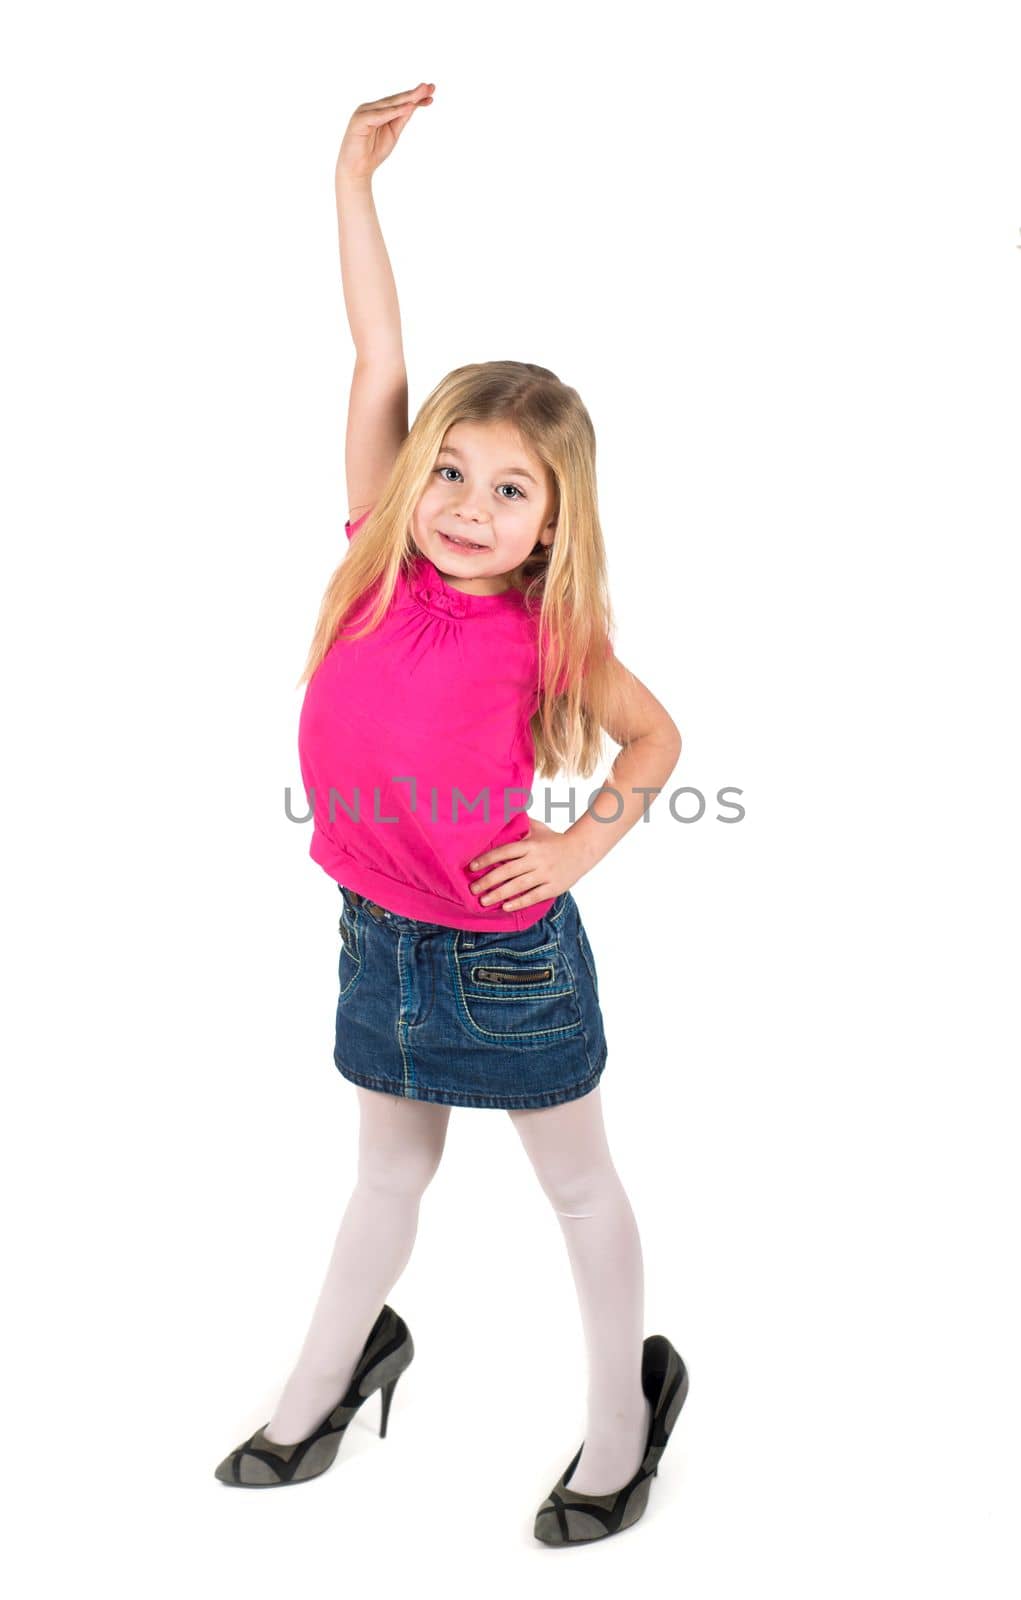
x: 776, y: 250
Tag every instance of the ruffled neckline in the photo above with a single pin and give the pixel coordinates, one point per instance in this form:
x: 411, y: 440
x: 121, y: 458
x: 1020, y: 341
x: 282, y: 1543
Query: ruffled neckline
x: 433, y: 592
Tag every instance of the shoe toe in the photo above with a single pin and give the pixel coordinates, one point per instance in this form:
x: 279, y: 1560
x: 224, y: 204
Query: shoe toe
x: 577, y: 1526
x: 260, y: 1461
x: 241, y: 1467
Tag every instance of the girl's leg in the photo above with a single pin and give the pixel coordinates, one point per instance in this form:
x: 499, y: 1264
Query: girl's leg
x: 568, y: 1149
x: 400, y: 1143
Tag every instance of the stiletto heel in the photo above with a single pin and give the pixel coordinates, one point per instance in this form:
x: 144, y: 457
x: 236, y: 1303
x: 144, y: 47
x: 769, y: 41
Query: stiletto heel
x: 386, y: 1395
x: 263, y: 1463
x: 567, y: 1516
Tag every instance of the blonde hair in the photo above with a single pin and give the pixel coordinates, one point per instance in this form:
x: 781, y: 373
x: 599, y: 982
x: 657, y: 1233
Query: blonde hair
x: 564, y: 584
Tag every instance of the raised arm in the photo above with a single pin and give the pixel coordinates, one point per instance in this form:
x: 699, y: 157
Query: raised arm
x: 377, y: 417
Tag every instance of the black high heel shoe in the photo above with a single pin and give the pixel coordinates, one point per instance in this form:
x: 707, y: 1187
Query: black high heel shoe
x: 262, y: 1463
x: 567, y: 1517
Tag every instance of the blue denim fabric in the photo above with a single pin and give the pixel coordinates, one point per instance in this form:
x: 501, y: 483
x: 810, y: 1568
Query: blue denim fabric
x: 468, y: 1018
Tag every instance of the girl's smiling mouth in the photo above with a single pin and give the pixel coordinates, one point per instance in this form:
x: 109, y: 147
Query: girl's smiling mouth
x: 458, y: 544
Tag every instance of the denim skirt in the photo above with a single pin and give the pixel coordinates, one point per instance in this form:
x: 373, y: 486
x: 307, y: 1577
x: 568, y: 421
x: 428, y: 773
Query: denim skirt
x: 466, y: 1017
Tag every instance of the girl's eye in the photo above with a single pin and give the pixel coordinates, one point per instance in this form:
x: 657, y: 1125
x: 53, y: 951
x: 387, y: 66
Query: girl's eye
x: 518, y: 493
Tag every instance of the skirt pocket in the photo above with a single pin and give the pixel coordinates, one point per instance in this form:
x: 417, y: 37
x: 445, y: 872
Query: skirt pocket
x: 515, y: 988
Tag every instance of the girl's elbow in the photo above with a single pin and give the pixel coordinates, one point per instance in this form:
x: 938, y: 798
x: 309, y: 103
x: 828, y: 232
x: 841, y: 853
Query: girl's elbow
x: 666, y: 740
x: 672, y: 736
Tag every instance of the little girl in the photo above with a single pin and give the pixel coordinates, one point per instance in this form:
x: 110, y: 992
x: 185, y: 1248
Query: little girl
x: 462, y: 644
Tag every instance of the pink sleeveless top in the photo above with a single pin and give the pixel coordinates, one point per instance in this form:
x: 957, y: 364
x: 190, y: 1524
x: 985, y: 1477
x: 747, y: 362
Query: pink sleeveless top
x: 421, y: 729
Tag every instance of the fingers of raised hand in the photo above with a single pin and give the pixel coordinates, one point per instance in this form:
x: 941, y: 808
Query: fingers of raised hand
x: 376, y: 111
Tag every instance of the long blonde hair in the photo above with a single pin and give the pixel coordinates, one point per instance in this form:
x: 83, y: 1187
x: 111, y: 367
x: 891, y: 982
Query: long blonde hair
x: 564, y: 584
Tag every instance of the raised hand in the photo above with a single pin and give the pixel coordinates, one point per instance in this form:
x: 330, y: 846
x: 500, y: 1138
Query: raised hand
x: 375, y: 128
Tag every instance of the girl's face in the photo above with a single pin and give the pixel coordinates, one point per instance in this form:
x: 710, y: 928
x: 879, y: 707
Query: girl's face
x: 487, y: 488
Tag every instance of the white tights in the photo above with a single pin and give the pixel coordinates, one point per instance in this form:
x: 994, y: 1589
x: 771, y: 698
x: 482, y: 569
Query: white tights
x: 400, y: 1144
